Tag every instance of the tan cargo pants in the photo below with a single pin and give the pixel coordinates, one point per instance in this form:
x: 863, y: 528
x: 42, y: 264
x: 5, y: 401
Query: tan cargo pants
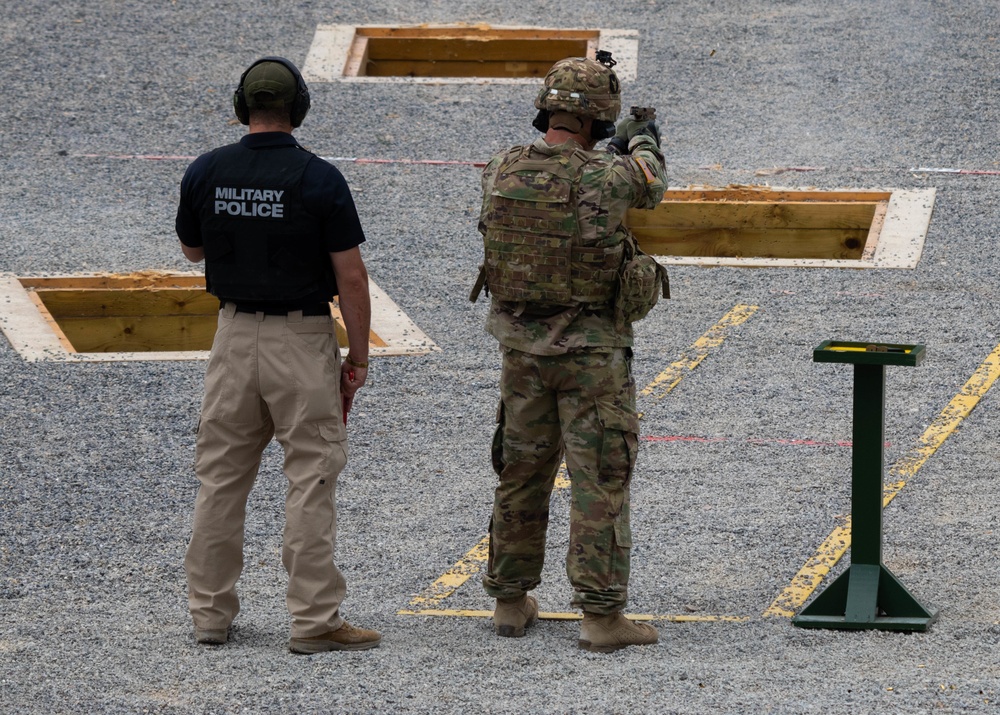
x: 269, y: 376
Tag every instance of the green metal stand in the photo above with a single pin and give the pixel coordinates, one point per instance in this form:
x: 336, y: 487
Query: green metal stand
x: 867, y: 595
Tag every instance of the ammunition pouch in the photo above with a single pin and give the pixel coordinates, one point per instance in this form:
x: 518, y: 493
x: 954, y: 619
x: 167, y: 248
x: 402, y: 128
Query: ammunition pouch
x: 641, y: 280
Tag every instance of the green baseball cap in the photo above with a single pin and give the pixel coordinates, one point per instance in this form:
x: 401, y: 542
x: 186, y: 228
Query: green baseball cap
x: 269, y: 85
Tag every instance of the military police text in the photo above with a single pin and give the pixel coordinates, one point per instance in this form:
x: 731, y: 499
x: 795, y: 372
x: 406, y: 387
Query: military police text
x: 249, y: 202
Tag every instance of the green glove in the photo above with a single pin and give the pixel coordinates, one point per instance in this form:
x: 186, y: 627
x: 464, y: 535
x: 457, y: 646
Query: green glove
x: 630, y: 128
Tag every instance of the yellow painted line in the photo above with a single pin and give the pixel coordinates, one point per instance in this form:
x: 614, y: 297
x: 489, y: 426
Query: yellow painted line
x: 698, y: 351
x: 470, y: 564
x: 453, y: 578
x: 836, y: 544
x: 812, y: 572
x: 576, y: 616
x: 947, y: 422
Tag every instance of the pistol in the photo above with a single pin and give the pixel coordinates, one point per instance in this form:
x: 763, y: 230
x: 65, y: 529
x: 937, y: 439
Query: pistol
x: 617, y: 145
x: 643, y: 114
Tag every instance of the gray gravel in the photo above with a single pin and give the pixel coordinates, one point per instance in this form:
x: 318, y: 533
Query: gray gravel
x: 96, y: 483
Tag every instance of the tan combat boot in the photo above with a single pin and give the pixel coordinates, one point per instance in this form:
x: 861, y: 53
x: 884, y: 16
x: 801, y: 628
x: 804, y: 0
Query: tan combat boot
x: 211, y: 636
x: 347, y: 637
x: 611, y: 632
x: 511, y: 617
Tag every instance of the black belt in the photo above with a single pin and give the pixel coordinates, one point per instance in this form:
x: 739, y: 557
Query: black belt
x: 314, y: 309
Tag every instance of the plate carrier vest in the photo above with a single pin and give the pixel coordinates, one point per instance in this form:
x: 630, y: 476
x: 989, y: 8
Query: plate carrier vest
x: 535, y: 254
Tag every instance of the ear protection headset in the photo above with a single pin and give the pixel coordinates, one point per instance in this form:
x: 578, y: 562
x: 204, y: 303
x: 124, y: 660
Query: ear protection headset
x: 300, y: 105
x: 600, y: 129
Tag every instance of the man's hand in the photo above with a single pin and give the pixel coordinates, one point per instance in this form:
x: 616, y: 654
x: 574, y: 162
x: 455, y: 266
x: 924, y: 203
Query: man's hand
x: 351, y: 380
x: 630, y: 128
x: 355, y: 309
x: 640, y: 120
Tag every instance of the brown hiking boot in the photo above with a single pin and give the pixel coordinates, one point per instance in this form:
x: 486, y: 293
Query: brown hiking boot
x: 611, y: 632
x: 211, y: 636
x: 347, y: 637
x: 512, y: 616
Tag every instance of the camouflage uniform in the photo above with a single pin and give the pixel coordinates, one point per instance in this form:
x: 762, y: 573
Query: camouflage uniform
x: 567, y: 389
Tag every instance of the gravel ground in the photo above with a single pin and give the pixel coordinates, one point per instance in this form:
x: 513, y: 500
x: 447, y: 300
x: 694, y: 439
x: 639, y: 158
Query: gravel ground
x: 96, y: 483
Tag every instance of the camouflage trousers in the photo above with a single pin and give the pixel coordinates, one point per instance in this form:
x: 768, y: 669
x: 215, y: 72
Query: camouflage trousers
x: 581, y: 404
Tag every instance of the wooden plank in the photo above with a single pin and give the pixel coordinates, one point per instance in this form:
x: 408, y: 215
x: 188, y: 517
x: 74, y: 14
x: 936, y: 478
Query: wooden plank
x: 479, y: 32
x: 146, y: 279
x: 388, y: 68
x: 50, y: 321
x: 766, y: 193
x: 159, y: 333
x: 761, y: 243
x: 357, y: 59
x: 755, y: 214
x: 474, y: 50
x: 137, y: 334
x: 104, y: 303
x: 871, y: 243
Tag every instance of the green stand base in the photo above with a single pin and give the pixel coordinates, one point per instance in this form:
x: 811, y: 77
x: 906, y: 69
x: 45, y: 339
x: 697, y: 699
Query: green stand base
x: 866, y: 596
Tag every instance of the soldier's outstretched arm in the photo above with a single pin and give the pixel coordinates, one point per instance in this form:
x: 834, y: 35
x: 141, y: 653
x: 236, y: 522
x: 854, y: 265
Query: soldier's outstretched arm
x: 645, y: 152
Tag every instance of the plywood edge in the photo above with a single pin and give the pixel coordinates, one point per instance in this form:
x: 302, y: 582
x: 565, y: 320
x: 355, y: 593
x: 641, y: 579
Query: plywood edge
x: 875, y: 230
x: 24, y: 326
x: 357, y: 58
x: 907, y: 220
x: 139, y: 357
x: 327, y: 58
x: 734, y: 262
x: 51, y: 321
x: 401, y: 335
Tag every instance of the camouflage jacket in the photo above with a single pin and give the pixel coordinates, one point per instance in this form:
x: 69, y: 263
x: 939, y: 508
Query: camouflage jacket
x: 610, y: 185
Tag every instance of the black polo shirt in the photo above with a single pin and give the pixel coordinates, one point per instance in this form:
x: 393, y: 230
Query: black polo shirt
x: 325, y: 194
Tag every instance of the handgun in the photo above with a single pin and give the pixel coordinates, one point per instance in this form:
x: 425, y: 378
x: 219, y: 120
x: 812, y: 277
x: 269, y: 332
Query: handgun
x: 617, y: 145
x: 642, y: 114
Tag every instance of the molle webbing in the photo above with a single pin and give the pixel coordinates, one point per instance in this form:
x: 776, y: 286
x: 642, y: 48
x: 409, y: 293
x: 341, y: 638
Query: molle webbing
x: 534, y: 251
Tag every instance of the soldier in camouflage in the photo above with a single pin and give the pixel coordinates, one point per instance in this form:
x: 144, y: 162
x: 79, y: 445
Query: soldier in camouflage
x: 556, y: 257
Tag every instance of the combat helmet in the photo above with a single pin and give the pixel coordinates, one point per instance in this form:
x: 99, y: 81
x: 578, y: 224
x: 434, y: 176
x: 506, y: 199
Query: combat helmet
x: 582, y: 86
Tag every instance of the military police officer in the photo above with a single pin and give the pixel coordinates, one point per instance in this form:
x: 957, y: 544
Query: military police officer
x: 280, y: 236
x: 567, y: 280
